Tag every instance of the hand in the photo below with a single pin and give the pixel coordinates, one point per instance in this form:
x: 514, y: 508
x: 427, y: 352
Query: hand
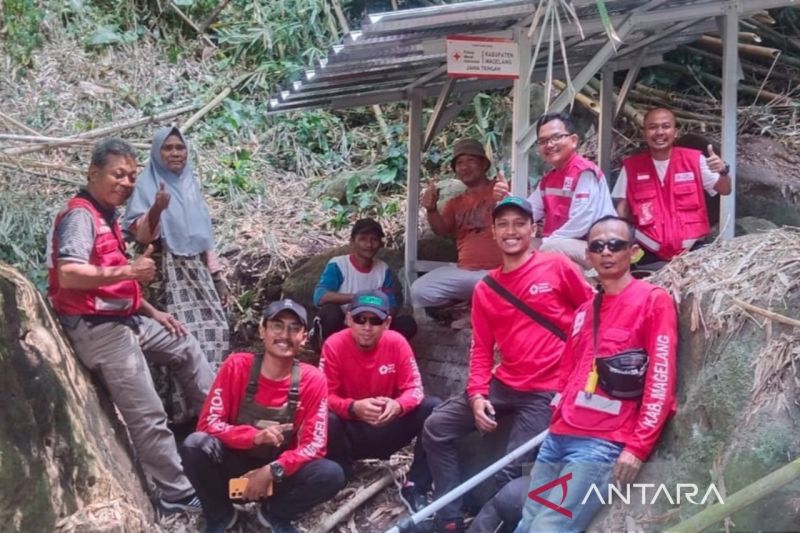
x: 259, y: 484
x: 162, y: 198
x: 143, y: 269
x: 430, y: 197
x: 273, y: 435
x: 715, y: 162
x: 501, y: 188
x: 170, y: 323
x: 391, y: 410
x: 483, y: 411
x: 221, y: 287
x: 368, y: 409
x: 626, y: 467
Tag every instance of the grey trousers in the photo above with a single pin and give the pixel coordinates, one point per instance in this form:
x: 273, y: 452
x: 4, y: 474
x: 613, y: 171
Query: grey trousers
x: 445, y: 285
x: 118, y: 354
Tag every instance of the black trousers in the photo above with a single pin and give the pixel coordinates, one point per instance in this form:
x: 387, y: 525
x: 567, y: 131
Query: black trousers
x: 505, y: 508
x: 209, y: 465
x: 349, y: 440
x: 331, y: 318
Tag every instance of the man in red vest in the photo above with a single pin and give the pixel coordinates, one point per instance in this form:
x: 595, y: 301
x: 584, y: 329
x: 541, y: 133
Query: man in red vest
x: 661, y: 190
x: 570, y: 197
x: 97, y: 296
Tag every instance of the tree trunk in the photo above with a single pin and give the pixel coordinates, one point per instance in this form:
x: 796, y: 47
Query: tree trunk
x: 66, y: 464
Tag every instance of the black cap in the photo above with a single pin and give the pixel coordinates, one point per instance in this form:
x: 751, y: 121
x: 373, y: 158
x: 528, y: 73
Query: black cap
x: 372, y: 302
x: 366, y: 225
x: 286, y: 304
x: 513, y: 201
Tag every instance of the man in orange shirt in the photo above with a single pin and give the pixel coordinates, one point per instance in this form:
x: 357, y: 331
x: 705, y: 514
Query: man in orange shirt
x: 468, y: 216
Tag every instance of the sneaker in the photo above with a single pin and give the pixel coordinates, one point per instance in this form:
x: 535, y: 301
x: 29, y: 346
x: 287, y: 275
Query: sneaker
x: 222, y: 525
x: 188, y: 504
x: 413, y: 498
x: 451, y: 525
x: 276, y: 525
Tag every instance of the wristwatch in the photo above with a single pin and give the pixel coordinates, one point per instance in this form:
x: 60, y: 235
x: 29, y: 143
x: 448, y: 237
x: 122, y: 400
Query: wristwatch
x: 726, y: 170
x: 351, y: 409
x: 277, y: 470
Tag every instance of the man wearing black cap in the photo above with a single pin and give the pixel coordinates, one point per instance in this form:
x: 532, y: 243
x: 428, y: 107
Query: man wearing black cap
x: 265, y: 419
x: 375, y: 394
x: 524, y: 309
x: 360, y: 270
x: 468, y: 217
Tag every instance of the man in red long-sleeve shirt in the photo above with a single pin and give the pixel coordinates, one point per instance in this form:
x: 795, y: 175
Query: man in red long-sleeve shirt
x: 375, y: 394
x: 527, y: 376
x: 617, y: 384
x: 265, y: 419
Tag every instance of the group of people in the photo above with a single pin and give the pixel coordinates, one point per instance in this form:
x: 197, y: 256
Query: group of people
x: 597, y: 368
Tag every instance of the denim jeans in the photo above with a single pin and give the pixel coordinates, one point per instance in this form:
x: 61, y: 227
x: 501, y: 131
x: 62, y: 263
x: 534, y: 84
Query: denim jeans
x: 589, y: 461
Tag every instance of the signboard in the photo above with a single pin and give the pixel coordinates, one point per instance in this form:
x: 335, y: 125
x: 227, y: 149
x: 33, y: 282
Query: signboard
x: 470, y: 56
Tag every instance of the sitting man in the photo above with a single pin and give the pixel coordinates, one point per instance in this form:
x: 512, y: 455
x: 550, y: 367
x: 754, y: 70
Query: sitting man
x: 530, y: 344
x: 618, y: 376
x: 375, y: 394
x: 97, y: 296
x: 665, y: 201
x: 265, y: 420
x: 469, y: 217
x: 345, y: 275
x: 568, y: 198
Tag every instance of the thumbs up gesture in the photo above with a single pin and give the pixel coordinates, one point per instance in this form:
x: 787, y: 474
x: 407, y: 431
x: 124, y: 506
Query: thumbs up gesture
x: 501, y: 188
x: 430, y: 196
x: 715, y: 162
x: 162, y: 198
x: 143, y: 269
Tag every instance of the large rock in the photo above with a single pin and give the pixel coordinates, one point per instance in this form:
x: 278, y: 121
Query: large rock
x: 64, y: 459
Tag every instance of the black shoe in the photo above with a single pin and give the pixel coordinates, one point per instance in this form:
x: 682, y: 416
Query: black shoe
x: 189, y: 504
x: 277, y: 525
x: 451, y: 525
x: 414, y: 499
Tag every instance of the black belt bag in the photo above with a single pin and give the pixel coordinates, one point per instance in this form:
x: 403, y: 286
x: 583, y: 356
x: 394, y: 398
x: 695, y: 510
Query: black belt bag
x: 622, y: 375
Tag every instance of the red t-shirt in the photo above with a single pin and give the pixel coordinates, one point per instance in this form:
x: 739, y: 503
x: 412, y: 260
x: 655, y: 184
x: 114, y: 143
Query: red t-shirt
x: 389, y: 369
x: 550, y: 284
x: 221, y: 410
x: 469, y: 217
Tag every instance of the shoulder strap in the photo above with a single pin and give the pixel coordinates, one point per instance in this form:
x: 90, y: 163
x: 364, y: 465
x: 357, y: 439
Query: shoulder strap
x: 294, y: 389
x: 252, y: 382
x: 519, y: 304
x: 598, y: 300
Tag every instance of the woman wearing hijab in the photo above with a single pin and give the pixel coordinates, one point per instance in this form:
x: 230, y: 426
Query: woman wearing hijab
x: 167, y: 210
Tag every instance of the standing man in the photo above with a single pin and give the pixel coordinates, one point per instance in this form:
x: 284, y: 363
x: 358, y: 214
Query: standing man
x: 548, y: 286
x: 570, y: 197
x: 468, y: 216
x: 265, y: 420
x: 661, y: 190
x: 618, y: 376
x: 375, y: 394
x: 97, y: 296
x: 360, y: 270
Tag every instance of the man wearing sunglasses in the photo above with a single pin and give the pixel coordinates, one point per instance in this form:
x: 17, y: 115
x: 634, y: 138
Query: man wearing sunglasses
x: 265, y: 420
x: 521, y: 386
x: 662, y: 189
x: 617, y: 382
x: 375, y: 394
x: 569, y: 197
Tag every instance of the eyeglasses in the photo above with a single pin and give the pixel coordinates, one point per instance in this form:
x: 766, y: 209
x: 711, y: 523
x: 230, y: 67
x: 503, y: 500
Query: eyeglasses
x: 278, y: 326
x: 613, y: 245
x: 553, y: 139
x: 373, y: 320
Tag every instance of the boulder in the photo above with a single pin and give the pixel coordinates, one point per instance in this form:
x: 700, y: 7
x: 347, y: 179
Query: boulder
x: 66, y: 463
x: 750, y: 225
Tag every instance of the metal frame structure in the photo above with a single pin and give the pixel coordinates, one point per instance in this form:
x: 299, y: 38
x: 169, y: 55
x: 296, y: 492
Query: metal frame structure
x: 401, y: 56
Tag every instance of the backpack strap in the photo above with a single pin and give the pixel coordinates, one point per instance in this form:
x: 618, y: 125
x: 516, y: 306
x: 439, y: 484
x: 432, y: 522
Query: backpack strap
x: 519, y: 304
x: 294, y: 390
x: 252, y: 382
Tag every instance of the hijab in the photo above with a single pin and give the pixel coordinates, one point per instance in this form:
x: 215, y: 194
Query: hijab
x: 185, y: 224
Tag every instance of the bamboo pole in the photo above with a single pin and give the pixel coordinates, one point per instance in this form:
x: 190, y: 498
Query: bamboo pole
x: 359, y: 499
x: 772, y: 35
x: 751, y: 50
x: 766, y: 313
x: 213, y: 16
x: 18, y: 124
x: 191, y: 23
x: 741, y: 499
x: 767, y: 96
x: 746, y: 65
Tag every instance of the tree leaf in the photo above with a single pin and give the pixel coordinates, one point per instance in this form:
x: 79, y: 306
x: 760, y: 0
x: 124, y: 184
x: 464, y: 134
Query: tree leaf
x: 104, y: 35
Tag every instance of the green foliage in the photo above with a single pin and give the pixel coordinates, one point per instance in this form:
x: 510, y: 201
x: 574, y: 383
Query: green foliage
x: 21, y: 20
x: 238, y: 177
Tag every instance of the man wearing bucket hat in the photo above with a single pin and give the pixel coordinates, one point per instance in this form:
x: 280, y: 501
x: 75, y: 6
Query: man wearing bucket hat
x: 524, y: 309
x: 375, y: 394
x: 265, y: 420
x: 468, y: 217
x: 617, y: 386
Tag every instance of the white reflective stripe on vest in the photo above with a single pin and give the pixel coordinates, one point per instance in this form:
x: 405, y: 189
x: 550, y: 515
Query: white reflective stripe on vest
x: 688, y: 243
x: 647, y: 241
x: 552, y: 191
x: 120, y: 304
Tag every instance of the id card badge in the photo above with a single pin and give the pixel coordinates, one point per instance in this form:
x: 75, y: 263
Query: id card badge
x: 598, y: 403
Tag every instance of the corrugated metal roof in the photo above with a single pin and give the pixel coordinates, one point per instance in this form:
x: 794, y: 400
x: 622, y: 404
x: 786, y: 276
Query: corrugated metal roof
x: 398, y: 51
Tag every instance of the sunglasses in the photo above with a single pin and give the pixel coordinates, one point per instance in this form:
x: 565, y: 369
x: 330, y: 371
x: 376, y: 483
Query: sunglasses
x: 373, y: 320
x: 613, y: 245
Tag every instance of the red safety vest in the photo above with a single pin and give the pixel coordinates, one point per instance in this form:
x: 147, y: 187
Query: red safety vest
x: 117, y: 299
x: 558, y: 188
x: 669, y: 217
